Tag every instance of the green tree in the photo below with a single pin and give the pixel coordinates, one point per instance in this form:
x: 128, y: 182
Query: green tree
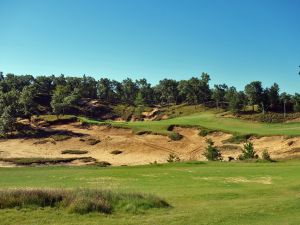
x: 62, y: 100
x: 218, y: 93
x: 27, y: 101
x: 236, y: 100
x: 254, y: 92
x: 105, y: 89
x: 167, y: 90
x: 248, y: 152
x: 7, y: 121
x: 285, y: 100
x: 211, y: 153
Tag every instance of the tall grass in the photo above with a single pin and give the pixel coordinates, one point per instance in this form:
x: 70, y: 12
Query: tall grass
x: 80, y: 201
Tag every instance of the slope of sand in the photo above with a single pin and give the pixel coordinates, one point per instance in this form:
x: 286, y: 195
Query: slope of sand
x: 140, y: 149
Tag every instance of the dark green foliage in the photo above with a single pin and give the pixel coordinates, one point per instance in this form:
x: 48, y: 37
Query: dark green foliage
x: 175, y: 136
x: 116, y: 152
x: 74, y: 152
x: 248, y: 152
x: 81, y: 201
x: 92, y: 141
x: 237, y: 139
x: 103, y: 164
x: 173, y: 158
x: 204, y: 132
x: 211, y: 153
x: 60, y: 137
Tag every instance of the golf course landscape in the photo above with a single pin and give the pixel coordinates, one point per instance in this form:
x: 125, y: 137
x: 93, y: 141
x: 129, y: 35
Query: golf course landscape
x: 149, y: 112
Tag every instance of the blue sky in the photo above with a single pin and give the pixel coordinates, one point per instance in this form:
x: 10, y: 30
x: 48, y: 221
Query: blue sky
x: 235, y: 41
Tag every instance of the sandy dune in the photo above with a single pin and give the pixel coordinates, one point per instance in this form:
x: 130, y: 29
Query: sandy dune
x: 140, y: 149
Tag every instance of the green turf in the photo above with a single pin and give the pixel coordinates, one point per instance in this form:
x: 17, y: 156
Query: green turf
x: 212, y: 121
x: 203, y: 193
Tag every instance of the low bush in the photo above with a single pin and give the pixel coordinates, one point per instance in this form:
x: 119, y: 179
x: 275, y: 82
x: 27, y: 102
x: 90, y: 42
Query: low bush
x: 175, y: 136
x: 92, y: 141
x: 237, y: 139
x: 211, y: 153
x: 266, y: 156
x: 204, y: 132
x: 248, y: 152
x: 116, y: 152
x: 75, y: 152
x: 103, y: 164
x: 80, y: 201
x: 173, y: 158
x: 60, y: 137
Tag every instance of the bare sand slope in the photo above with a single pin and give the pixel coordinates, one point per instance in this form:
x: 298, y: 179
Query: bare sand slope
x: 140, y: 149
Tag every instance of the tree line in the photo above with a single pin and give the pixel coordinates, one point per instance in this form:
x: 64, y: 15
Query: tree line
x: 26, y: 95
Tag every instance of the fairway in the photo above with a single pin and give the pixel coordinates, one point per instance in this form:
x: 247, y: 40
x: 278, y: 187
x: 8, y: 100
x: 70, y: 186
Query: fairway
x: 212, y: 121
x: 200, y: 193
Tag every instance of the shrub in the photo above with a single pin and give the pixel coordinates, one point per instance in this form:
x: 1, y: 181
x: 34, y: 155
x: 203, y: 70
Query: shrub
x: 103, y: 164
x: 60, y: 137
x: 211, y: 153
x: 75, y: 152
x: 266, y: 156
x: 116, y: 152
x: 173, y: 158
x: 237, y: 139
x: 248, y: 152
x: 175, y: 136
x: 204, y: 132
x: 92, y: 141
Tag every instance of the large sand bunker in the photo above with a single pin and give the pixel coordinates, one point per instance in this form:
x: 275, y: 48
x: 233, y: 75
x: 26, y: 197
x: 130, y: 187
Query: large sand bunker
x: 139, y: 149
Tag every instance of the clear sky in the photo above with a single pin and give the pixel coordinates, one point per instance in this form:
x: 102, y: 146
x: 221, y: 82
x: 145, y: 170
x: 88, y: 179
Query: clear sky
x: 235, y: 41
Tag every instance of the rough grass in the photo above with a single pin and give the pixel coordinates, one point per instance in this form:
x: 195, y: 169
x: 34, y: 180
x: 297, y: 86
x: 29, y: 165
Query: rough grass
x: 44, y: 161
x: 53, y: 119
x: 217, y: 193
x: 60, y: 137
x: 74, y: 152
x: 80, y: 201
x: 237, y: 139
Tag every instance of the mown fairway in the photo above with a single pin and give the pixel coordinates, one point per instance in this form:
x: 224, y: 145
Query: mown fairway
x: 200, y: 193
x: 213, y: 121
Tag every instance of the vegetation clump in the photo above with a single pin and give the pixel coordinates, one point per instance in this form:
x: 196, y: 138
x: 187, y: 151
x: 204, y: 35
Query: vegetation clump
x: 248, y: 152
x: 173, y: 158
x: 116, y: 152
x: 211, y: 152
x: 60, y: 137
x: 204, y: 132
x: 103, y: 164
x: 81, y: 201
x: 174, y: 136
x: 237, y: 139
x: 92, y: 141
x: 74, y: 152
x: 266, y: 156
x: 45, y: 161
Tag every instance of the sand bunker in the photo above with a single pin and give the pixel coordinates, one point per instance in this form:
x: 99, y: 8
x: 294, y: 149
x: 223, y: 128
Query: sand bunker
x: 138, y: 149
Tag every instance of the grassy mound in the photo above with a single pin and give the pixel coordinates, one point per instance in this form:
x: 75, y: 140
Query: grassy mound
x: 80, y: 201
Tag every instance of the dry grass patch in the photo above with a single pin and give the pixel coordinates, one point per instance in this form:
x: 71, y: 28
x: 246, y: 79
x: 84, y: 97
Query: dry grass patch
x: 74, y: 152
x: 45, y: 161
